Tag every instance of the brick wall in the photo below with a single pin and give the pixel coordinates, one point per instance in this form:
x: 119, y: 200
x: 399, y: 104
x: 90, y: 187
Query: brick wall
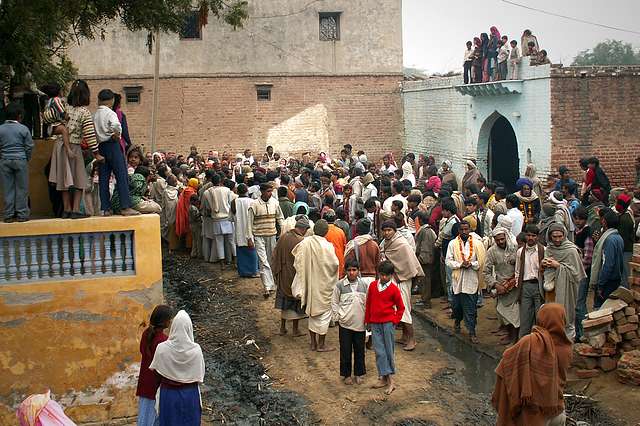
x: 305, y: 113
x: 595, y: 112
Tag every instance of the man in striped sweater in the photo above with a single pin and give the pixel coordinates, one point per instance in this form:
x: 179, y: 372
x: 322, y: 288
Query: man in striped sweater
x: 264, y: 214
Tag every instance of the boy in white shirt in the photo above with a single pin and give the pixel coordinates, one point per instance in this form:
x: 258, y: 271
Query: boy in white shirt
x: 347, y: 306
x: 108, y: 131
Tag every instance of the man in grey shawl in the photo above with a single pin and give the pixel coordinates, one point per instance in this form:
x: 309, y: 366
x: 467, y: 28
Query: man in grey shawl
x: 499, y: 271
x: 563, y: 271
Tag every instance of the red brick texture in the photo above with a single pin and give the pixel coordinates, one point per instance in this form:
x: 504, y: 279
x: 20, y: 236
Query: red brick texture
x: 597, y: 114
x: 223, y: 113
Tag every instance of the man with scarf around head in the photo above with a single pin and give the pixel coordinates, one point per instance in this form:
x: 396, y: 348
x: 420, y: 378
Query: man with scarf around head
x: 529, y: 202
x: 499, y: 276
x: 607, y: 267
x: 466, y: 257
x: 284, y: 272
x: 563, y: 271
x: 562, y: 214
x: 397, y: 250
x: 532, y: 374
x: 316, y: 266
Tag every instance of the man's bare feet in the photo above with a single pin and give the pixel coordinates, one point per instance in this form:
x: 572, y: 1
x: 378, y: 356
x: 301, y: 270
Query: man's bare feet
x: 348, y: 380
x: 475, y: 340
x: 359, y: 380
x: 379, y: 384
x: 325, y: 349
x: 282, y: 332
x: 389, y: 390
x: 410, y: 346
x: 313, y: 348
x: 298, y: 333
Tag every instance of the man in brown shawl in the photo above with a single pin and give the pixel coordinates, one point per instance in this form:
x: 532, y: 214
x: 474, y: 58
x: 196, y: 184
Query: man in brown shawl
x: 532, y: 374
x: 471, y: 176
x: 397, y: 250
x: 563, y: 271
x: 283, y: 273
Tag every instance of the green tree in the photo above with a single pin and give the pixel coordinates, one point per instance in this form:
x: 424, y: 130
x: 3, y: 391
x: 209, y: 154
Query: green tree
x: 35, y: 33
x: 609, y: 52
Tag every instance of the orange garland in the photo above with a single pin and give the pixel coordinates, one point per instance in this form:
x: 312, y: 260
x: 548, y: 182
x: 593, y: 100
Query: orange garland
x: 462, y: 249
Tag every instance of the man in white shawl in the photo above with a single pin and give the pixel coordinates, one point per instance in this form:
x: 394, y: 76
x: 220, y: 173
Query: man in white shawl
x: 180, y: 363
x: 316, y: 266
x: 499, y: 271
x: 563, y: 271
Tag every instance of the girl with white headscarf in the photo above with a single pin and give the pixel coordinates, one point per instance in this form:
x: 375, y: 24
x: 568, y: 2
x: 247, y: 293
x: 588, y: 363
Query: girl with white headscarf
x: 180, y: 363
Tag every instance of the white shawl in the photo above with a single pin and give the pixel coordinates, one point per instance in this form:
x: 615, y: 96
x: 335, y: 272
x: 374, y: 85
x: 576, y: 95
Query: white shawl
x: 316, y: 267
x: 179, y: 358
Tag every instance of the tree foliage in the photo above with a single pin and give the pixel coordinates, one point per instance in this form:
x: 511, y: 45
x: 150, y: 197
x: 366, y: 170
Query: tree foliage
x: 34, y: 33
x: 609, y: 52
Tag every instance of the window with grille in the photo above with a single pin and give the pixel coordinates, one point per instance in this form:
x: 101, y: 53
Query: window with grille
x: 192, y: 28
x: 263, y: 92
x: 329, y: 26
x: 132, y: 94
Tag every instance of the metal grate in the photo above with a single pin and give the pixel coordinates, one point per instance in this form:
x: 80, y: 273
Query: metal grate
x: 329, y: 26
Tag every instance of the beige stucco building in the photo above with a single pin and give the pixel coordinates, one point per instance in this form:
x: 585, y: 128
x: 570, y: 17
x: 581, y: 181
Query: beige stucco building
x: 298, y: 76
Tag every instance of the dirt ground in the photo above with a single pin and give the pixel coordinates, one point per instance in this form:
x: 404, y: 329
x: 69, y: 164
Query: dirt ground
x: 255, y: 376
x: 617, y: 402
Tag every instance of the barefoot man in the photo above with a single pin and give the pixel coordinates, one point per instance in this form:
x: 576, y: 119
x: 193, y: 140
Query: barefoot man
x: 283, y: 273
x: 316, y: 266
x: 397, y: 250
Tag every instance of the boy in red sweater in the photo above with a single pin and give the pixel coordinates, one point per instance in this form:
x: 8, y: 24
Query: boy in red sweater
x: 383, y: 312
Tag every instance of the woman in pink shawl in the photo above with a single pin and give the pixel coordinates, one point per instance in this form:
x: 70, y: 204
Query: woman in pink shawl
x: 125, y: 140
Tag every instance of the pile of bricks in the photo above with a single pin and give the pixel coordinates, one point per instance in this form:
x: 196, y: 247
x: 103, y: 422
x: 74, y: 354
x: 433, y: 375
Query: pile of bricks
x: 611, y: 331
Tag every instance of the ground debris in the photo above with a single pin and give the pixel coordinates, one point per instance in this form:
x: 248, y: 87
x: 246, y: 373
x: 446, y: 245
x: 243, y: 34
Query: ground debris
x: 236, y: 390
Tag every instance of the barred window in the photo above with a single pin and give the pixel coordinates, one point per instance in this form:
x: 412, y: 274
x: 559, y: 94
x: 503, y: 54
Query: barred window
x: 329, y: 26
x: 192, y: 27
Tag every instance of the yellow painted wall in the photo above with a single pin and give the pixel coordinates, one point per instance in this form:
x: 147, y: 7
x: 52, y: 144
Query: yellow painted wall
x: 79, y: 337
x: 38, y: 185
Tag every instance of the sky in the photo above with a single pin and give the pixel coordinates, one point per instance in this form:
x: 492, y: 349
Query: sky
x: 435, y: 33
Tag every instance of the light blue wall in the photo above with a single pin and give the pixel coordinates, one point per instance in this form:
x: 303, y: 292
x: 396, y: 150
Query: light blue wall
x: 441, y: 122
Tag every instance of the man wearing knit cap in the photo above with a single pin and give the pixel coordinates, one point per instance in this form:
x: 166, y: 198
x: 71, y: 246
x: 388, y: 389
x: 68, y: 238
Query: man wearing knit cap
x: 316, y: 267
x: 284, y: 272
x: 397, y: 250
x: 264, y: 215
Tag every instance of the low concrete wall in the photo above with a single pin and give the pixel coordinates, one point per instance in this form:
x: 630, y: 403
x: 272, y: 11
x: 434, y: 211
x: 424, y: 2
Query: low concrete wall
x: 79, y: 337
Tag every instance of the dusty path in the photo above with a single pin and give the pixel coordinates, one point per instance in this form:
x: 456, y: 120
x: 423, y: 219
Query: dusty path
x: 278, y: 380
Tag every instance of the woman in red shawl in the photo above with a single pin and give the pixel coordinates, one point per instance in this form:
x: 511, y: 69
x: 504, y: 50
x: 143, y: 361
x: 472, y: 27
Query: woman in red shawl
x: 531, y: 376
x: 182, y: 211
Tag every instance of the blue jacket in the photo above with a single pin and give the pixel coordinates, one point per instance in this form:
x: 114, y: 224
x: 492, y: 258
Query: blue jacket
x: 15, y: 141
x: 612, y: 267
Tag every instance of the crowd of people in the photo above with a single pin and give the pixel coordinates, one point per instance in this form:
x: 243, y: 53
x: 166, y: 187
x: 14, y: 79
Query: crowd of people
x: 344, y: 241
x: 492, y: 57
x: 348, y: 241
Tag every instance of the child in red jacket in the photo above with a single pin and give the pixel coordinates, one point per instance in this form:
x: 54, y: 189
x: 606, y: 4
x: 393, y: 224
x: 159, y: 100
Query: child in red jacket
x: 383, y: 312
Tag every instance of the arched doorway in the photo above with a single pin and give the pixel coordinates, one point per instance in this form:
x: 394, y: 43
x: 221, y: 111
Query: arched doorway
x: 503, y: 163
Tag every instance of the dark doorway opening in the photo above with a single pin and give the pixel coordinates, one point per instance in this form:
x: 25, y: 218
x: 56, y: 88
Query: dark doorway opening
x: 503, y: 162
